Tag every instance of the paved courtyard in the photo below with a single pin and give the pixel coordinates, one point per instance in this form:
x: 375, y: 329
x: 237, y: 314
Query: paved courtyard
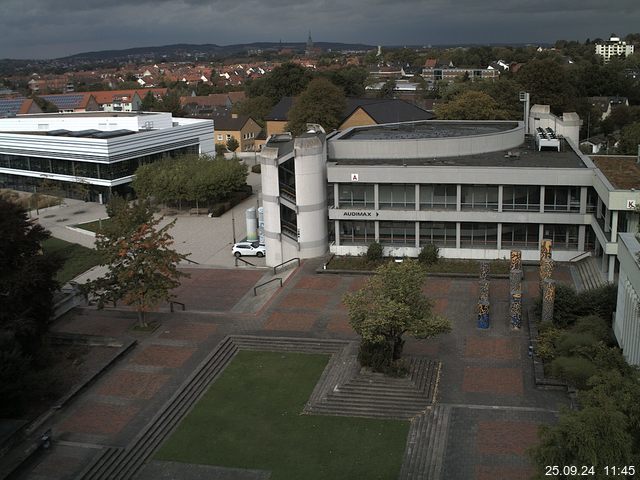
x: 486, y: 376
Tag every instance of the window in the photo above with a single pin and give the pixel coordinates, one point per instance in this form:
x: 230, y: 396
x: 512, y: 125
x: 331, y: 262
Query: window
x: 357, y: 233
x: 356, y: 195
x: 564, y: 237
x: 479, y: 197
x: 441, y: 234
x: 484, y: 235
x: 592, y: 200
x: 562, y: 199
x: 228, y: 137
x: 401, y: 197
x: 398, y: 233
x: 520, y: 198
x: 438, y: 197
x: 220, y: 136
x: 520, y: 235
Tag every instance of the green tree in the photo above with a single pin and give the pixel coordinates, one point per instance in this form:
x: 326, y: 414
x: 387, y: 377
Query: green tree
x: 470, y: 105
x: 142, y: 266
x: 351, y: 79
x: 390, y: 305
x: 45, y: 105
x: 286, y: 80
x: 629, y: 139
x: 232, y: 144
x: 27, y: 286
x: 149, y: 103
x: 255, y: 107
x: 321, y: 102
x: 388, y: 89
x: 549, y: 83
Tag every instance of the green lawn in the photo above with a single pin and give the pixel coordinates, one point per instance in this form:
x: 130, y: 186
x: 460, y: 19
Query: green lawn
x: 251, y: 418
x: 77, y: 259
x: 93, y: 226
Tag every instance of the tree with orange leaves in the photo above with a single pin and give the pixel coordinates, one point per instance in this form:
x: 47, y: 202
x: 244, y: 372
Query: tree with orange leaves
x: 142, y: 265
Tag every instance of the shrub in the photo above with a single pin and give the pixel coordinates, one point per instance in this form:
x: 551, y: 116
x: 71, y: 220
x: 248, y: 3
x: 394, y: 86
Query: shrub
x: 574, y: 370
x: 600, y: 301
x: 547, y: 337
x: 374, y: 252
x: 565, y: 306
x: 594, y: 325
x: 256, y: 168
x: 429, y: 254
x: 569, y: 343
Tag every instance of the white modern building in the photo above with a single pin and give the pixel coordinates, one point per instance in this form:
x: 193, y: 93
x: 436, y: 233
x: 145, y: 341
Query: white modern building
x: 614, y: 47
x: 476, y: 189
x: 626, y: 325
x: 97, y: 149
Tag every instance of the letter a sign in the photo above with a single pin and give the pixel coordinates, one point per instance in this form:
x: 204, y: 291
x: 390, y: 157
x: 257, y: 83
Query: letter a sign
x: 354, y: 177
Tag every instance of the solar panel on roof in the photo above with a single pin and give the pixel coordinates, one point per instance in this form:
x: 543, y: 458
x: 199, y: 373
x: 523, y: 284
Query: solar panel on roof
x: 10, y: 106
x: 64, y: 102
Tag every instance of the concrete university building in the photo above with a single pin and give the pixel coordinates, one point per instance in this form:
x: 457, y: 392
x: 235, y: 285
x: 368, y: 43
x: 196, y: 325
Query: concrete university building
x: 476, y: 189
x: 99, y: 151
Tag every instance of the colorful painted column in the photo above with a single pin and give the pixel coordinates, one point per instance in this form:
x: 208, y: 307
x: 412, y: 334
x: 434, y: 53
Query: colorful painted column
x: 516, y: 260
x: 484, y: 271
x: 483, y: 314
x: 515, y: 298
x: 548, y: 299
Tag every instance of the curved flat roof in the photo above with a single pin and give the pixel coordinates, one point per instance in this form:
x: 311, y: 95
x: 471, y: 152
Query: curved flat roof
x: 428, y: 129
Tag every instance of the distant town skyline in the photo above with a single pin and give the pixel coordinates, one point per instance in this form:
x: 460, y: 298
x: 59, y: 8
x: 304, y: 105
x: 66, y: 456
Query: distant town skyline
x: 35, y: 29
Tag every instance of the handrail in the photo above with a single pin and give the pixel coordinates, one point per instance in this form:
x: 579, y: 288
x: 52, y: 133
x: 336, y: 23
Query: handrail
x: 176, y: 302
x: 243, y: 261
x: 255, y: 293
x: 583, y: 254
x: 284, y: 263
x: 190, y: 261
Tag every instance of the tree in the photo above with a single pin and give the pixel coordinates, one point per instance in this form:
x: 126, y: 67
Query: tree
x: 351, y: 79
x: 27, y: 285
x: 149, y: 103
x: 389, y: 305
x: 255, y: 107
x: 286, y: 80
x: 629, y: 139
x: 232, y: 144
x: 142, y: 266
x: 388, y: 89
x: 470, y: 105
x: 549, y: 84
x: 321, y: 102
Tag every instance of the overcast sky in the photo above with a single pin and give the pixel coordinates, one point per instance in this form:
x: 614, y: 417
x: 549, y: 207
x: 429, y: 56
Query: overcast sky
x: 55, y: 28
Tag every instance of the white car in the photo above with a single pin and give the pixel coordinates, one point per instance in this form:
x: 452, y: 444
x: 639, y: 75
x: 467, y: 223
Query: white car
x: 249, y: 249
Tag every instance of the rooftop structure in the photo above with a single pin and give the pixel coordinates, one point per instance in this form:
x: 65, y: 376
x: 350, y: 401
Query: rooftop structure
x: 614, y: 47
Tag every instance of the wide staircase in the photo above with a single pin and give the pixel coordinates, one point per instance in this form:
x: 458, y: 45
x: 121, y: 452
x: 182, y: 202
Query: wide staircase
x: 426, y: 445
x: 589, y: 273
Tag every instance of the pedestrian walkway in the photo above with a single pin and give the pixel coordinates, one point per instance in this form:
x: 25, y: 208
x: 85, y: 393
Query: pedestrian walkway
x: 486, y: 412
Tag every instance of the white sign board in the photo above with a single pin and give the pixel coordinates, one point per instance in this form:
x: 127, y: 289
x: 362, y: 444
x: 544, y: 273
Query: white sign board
x: 354, y: 177
x: 631, y: 204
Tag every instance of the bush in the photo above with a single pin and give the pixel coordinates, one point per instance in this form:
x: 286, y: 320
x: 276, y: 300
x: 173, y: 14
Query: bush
x: 547, y: 337
x: 600, y: 301
x: 574, y: 370
x: 594, y: 325
x: 569, y: 343
x: 374, y: 252
x: 429, y: 254
x: 377, y: 357
x: 566, y: 305
x: 256, y: 168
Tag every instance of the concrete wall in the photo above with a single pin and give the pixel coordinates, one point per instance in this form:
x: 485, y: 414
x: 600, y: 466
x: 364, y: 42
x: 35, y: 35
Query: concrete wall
x: 568, y: 125
x: 270, y: 201
x: 626, y: 325
x: 311, y: 195
x: 428, y: 147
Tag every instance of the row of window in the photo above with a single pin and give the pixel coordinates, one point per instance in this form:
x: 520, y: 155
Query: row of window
x: 473, y: 197
x: 443, y: 234
x: 105, y: 171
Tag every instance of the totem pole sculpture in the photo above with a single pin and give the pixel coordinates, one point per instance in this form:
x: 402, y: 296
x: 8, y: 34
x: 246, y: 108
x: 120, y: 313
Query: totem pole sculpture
x: 548, y: 299
x: 483, y: 297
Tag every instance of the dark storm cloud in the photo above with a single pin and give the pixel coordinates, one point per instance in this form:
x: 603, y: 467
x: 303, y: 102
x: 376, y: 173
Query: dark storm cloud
x: 50, y: 28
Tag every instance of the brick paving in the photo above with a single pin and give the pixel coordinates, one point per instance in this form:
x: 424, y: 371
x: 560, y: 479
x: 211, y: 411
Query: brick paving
x: 130, y: 384
x: 163, y: 355
x: 503, y: 438
x: 486, y: 375
x: 99, y: 418
x: 498, y: 381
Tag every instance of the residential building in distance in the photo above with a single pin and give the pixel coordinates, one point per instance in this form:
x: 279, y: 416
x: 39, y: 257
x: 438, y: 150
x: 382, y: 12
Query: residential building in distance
x: 73, y: 102
x: 358, y: 112
x: 98, y: 150
x: 124, y: 100
x: 207, y: 105
x: 607, y: 104
x: 614, y: 47
x: 432, y: 72
x: 10, y: 107
x: 241, y: 127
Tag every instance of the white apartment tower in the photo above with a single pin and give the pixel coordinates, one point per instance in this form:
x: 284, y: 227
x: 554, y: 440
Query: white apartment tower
x: 614, y: 47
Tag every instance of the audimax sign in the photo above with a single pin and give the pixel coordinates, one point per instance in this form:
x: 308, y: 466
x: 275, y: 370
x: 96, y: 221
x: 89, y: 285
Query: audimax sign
x: 358, y: 213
